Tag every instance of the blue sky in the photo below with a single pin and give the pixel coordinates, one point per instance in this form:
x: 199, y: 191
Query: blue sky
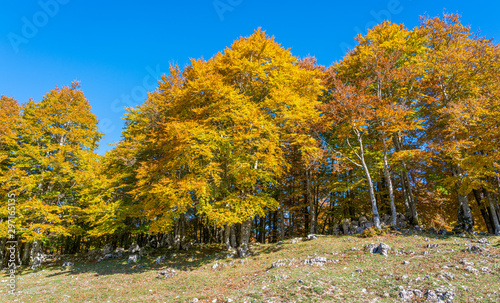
x: 119, y: 49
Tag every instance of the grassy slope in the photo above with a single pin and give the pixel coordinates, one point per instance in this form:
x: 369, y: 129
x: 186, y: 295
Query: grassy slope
x: 253, y: 280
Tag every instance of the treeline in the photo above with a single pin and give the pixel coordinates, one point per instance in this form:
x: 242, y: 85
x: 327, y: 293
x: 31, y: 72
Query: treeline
x: 255, y: 143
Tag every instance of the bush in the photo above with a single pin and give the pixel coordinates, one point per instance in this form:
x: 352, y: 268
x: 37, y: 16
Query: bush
x: 375, y: 232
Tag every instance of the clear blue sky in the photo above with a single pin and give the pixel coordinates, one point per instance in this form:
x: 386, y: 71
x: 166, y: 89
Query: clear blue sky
x: 118, y: 49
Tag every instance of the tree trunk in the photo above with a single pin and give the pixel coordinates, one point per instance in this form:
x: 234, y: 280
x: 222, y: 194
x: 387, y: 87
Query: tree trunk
x: 2, y: 252
x: 409, y: 199
x: 492, y: 211
x: 376, y: 217
x: 25, y: 260
x: 310, y: 200
x: 246, y: 227
x: 227, y: 236
x: 484, y: 211
x: 389, y: 185
x: 465, y: 219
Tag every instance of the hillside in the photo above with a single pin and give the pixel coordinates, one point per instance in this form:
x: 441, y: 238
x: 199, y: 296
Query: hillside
x: 418, y: 267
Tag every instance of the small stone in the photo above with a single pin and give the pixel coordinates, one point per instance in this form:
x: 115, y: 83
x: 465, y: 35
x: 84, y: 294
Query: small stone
x: 359, y: 270
x: 68, y: 264
x: 406, y: 262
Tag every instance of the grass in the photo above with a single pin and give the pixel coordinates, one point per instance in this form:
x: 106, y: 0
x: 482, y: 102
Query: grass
x: 358, y: 276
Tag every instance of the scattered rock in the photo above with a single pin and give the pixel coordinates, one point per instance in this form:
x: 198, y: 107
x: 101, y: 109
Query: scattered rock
x: 475, y: 249
x: 296, y: 240
x: 68, y: 264
x: 483, y: 241
x: 426, y: 253
x: 120, y: 250
x: 316, y: 261
x: 471, y: 269
x: 432, y: 245
x: 406, y: 262
x: 359, y: 270
x: 281, y: 242
x: 282, y: 262
x: 168, y: 273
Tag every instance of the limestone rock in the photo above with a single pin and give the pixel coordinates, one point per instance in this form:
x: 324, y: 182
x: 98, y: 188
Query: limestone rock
x: 316, y: 261
x: 383, y: 249
x: 311, y: 237
x: 108, y: 248
x: 120, y: 250
x: 134, y: 248
x: 133, y: 258
x: 345, y: 226
x: 371, y: 248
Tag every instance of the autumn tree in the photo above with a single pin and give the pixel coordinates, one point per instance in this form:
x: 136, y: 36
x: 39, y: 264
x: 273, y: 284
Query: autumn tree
x: 56, y: 141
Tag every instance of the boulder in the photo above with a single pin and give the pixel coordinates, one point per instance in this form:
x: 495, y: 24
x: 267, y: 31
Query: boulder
x: 362, y: 220
x: 371, y: 248
x: 108, y: 248
x: 134, y: 248
x: 383, y: 249
x: 345, y: 226
x: 311, y: 237
x: 354, y: 226
x: 134, y: 258
x: 120, y: 250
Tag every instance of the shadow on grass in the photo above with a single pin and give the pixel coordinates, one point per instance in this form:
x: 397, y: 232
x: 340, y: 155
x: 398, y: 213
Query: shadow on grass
x: 193, y: 259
